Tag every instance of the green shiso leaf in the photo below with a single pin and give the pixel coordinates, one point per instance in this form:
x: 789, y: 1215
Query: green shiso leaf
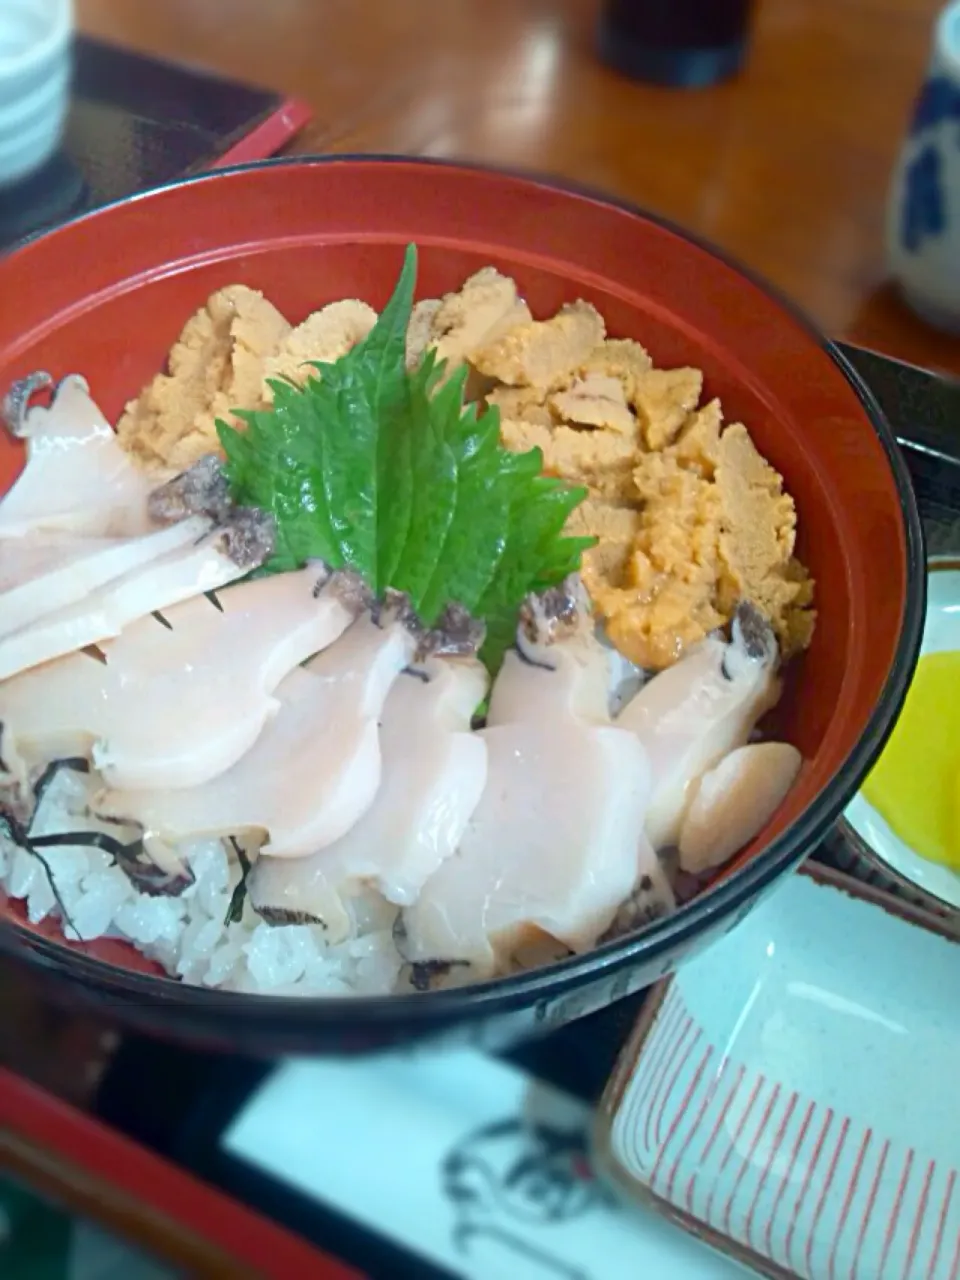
x: 386, y: 471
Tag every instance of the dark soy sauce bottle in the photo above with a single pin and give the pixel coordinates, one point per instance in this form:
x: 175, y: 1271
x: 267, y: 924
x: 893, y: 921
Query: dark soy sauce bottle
x: 688, y: 44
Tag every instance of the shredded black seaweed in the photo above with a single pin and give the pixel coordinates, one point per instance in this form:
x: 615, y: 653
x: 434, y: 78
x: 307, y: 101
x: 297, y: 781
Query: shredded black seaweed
x: 130, y: 856
x: 15, y: 829
x: 214, y: 600
x: 18, y: 835
x: 145, y: 876
x: 74, y: 764
x: 162, y: 620
x: 281, y: 916
x: 61, y: 905
x: 85, y: 840
x: 238, y: 897
x: 423, y: 972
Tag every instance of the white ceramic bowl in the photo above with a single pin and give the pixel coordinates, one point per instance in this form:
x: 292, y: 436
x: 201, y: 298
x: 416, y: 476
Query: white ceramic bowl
x: 35, y: 37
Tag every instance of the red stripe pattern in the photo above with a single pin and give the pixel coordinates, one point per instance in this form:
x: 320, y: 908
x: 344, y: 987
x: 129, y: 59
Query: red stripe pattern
x: 787, y: 1176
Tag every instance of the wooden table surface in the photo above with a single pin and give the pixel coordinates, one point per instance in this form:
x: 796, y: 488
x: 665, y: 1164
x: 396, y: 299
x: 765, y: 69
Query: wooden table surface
x: 786, y: 168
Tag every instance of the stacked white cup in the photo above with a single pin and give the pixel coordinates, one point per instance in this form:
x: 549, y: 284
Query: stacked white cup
x: 35, y: 40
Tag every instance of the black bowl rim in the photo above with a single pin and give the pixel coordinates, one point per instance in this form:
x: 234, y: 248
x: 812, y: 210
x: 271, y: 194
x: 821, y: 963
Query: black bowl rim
x: 675, y: 932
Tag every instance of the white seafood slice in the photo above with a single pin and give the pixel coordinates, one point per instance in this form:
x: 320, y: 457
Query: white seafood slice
x: 690, y: 715
x: 44, y: 573
x: 434, y: 770
x: 77, y: 477
x: 315, y: 768
x: 163, y: 583
x: 734, y: 801
x: 567, y: 649
x: 552, y: 847
x: 556, y: 843
x: 178, y: 703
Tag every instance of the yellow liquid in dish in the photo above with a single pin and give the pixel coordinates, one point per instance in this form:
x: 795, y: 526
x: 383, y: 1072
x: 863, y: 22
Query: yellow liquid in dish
x: 915, y: 785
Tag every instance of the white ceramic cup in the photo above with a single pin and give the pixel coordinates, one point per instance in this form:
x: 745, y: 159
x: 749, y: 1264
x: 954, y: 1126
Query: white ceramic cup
x: 923, y: 214
x: 35, y: 38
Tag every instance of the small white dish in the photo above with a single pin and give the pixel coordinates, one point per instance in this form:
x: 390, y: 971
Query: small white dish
x: 35, y: 39
x: 941, y: 633
x: 789, y: 1097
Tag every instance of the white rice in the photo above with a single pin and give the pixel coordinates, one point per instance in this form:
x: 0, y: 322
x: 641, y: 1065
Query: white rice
x: 188, y: 935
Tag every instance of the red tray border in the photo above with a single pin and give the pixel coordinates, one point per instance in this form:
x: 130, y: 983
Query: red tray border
x: 148, y: 1194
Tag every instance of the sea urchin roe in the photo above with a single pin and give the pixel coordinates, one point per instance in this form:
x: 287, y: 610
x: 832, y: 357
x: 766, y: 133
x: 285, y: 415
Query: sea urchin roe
x: 484, y: 308
x: 664, y: 399
x: 689, y: 517
x: 708, y: 525
x: 214, y: 367
x: 596, y: 400
x: 757, y: 539
x: 324, y: 336
x: 620, y: 358
x: 578, y: 456
x: 541, y: 353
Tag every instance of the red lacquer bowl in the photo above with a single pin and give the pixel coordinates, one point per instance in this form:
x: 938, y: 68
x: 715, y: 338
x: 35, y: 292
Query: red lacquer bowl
x: 107, y: 295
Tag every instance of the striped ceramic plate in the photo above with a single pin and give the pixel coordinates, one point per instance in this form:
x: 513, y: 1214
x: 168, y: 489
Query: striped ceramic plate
x: 791, y: 1094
